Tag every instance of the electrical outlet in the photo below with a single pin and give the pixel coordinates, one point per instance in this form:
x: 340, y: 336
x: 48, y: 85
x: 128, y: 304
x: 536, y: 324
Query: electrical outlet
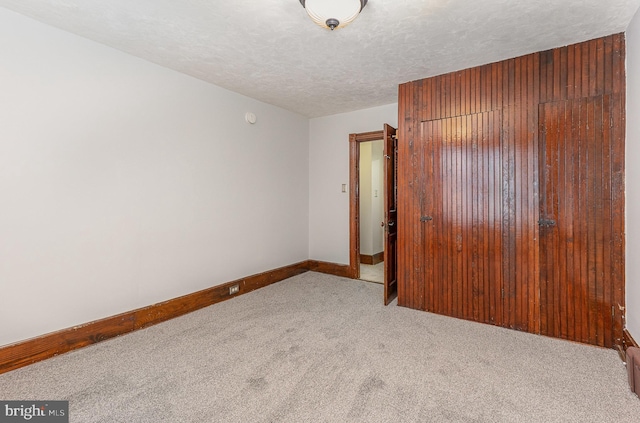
x: 234, y: 289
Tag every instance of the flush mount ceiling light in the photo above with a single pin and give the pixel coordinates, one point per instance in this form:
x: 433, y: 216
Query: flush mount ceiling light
x: 333, y: 14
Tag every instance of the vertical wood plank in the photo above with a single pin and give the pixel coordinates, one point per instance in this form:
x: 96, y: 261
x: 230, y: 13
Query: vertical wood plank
x: 577, y: 71
x: 578, y: 213
x: 590, y: 220
x: 556, y: 71
x: 456, y: 199
x: 608, y: 334
x: 494, y: 287
x: 448, y: 190
x: 568, y: 223
x: 584, y: 217
x: 599, y: 180
x: 571, y: 75
x: 617, y: 177
x: 593, y: 68
x: 585, y: 70
x: 418, y: 285
x: 403, y: 188
x: 563, y: 73
x: 561, y: 216
x: 427, y: 137
x: 476, y: 199
x: 599, y: 63
x: 486, y: 240
x: 534, y: 315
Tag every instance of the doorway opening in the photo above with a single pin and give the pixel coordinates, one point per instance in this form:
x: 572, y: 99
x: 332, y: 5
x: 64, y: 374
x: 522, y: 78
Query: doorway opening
x: 371, y: 216
x: 363, y: 223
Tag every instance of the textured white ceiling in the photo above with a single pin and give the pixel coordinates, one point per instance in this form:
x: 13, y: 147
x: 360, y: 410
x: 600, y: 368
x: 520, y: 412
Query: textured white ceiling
x: 270, y: 50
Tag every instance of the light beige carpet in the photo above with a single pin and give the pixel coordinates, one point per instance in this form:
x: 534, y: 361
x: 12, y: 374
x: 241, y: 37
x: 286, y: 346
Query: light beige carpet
x: 317, y: 348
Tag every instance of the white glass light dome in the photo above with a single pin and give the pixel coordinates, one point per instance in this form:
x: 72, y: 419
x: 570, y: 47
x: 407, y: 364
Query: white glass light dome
x: 333, y: 14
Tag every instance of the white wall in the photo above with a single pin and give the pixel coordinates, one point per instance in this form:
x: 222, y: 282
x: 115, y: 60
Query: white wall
x: 377, y: 203
x: 371, y: 196
x: 123, y: 183
x: 366, y: 196
x: 328, y: 170
x: 633, y: 178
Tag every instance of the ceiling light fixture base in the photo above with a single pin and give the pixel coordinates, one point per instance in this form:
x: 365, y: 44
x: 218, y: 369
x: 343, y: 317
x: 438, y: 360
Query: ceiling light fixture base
x: 332, y: 14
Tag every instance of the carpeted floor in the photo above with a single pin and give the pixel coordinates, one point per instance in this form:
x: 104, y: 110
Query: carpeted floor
x: 317, y: 348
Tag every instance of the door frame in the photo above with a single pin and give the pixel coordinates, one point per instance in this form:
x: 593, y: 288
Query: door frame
x: 354, y: 197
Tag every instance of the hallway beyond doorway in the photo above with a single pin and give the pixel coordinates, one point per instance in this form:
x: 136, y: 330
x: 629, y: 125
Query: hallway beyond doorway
x: 372, y: 273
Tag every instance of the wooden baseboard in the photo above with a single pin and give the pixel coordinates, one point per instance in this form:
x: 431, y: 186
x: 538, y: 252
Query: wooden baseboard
x: 374, y: 259
x: 627, y: 341
x: 365, y: 259
x: 46, y: 346
x: 342, y: 270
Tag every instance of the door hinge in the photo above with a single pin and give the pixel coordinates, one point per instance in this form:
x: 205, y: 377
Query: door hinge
x: 547, y: 222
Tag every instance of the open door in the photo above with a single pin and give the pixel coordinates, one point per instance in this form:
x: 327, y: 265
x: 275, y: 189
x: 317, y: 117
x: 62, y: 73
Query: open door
x: 390, y: 214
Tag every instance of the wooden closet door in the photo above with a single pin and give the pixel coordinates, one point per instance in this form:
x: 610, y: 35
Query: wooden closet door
x: 469, y: 242
x: 461, y: 216
x: 579, y: 207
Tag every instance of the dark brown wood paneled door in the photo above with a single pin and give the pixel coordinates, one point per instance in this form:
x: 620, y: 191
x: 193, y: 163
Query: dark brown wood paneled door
x: 462, y: 214
x: 511, y: 192
x: 580, y: 208
x: 390, y: 214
